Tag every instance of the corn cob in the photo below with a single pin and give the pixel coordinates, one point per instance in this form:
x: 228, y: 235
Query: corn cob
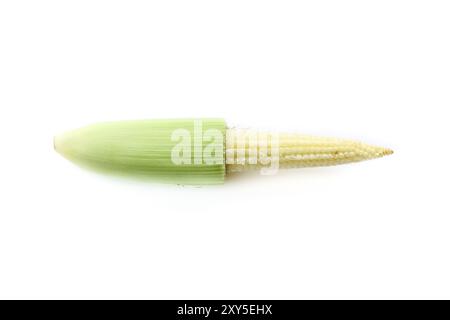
x: 200, y: 151
x: 295, y: 150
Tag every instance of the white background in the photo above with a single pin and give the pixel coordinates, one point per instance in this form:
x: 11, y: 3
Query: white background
x: 377, y: 71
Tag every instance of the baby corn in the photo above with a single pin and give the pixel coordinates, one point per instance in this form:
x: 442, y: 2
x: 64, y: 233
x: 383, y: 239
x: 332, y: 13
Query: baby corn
x: 200, y: 151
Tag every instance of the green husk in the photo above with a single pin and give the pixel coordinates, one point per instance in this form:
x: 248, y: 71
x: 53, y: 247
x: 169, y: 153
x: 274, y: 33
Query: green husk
x: 141, y: 149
